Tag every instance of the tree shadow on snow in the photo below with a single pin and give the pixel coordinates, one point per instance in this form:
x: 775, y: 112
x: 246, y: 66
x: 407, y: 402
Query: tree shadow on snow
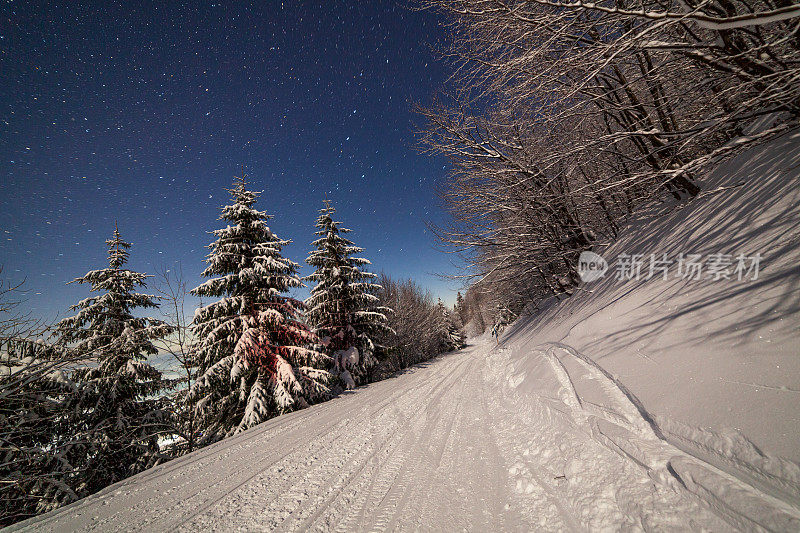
x: 762, y: 215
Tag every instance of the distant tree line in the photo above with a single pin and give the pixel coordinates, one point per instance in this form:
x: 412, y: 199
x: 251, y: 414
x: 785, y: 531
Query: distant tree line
x: 83, y: 406
x: 563, y: 117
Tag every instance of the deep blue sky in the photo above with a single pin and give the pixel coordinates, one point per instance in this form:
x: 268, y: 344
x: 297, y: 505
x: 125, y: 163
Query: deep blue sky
x: 142, y: 112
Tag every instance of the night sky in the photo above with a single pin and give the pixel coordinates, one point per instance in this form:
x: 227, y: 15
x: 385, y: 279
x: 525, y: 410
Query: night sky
x: 143, y: 112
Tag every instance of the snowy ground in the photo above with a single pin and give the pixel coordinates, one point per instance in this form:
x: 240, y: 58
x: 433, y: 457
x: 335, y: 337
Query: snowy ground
x: 475, y: 440
x: 651, y: 405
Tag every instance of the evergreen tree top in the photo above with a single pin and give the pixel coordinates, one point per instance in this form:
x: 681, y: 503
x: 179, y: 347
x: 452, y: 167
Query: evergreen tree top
x: 325, y: 221
x: 247, y: 252
x: 333, y: 250
x: 115, y: 279
x: 240, y: 192
x: 117, y: 249
x: 241, y: 211
x: 104, y: 324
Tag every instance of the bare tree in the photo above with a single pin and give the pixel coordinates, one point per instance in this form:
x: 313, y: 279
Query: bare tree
x: 416, y: 328
x: 567, y: 115
x: 180, y: 351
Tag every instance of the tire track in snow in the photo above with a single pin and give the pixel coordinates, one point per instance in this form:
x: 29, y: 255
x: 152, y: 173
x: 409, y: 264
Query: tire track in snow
x: 288, y: 497
x: 284, y: 490
x: 523, y: 469
x: 362, y: 493
x: 323, y: 506
x: 370, y: 496
x: 393, y: 498
x: 636, y: 436
x: 146, y: 493
x: 152, y: 480
x: 475, y: 463
x: 374, y: 484
x: 592, y: 486
x: 433, y: 436
x: 451, y: 444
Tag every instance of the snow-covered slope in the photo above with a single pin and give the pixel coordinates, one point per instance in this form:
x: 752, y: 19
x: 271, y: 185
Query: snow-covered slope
x: 713, y: 367
x: 720, y: 355
x: 631, y: 406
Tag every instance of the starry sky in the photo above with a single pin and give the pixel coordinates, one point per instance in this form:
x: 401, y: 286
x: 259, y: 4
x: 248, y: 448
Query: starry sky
x: 142, y: 113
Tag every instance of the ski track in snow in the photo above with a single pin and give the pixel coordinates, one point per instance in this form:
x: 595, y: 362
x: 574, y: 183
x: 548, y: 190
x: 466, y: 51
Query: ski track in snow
x: 474, y: 440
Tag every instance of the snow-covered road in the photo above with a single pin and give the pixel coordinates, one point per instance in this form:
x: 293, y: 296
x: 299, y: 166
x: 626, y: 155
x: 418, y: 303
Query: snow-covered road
x: 465, y: 442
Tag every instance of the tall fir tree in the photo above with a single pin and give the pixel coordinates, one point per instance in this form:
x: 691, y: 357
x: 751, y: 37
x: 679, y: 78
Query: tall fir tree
x: 343, y: 309
x: 454, y: 331
x: 253, y: 354
x: 118, y: 416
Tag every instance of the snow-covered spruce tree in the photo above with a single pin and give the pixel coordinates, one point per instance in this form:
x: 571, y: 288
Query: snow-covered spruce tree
x: 447, y: 335
x: 460, y: 309
x: 453, y: 330
x: 342, y: 308
x: 253, y: 355
x: 118, y: 418
x: 440, y: 325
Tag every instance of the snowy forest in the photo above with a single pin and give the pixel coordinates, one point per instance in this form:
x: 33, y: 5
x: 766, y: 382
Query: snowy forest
x: 560, y: 123
x: 84, y: 408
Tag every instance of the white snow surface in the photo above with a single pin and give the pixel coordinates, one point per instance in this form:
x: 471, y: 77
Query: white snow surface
x: 480, y: 439
x: 638, y: 406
